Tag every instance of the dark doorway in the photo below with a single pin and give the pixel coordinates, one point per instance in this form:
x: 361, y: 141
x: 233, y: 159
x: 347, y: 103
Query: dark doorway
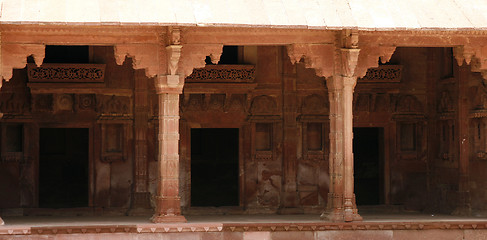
x: 368, y: 149
x: 63, y: 167
x: 214, y: 167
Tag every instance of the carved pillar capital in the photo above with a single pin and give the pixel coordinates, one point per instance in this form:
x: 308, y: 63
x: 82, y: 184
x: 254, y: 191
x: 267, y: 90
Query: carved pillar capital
x: 173, y: 53
x: 349, y: 60
x: 169, y: 84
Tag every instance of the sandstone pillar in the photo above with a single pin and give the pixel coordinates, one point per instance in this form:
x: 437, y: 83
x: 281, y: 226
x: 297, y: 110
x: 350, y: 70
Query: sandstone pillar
x: 169, y: 87
x: 168, y: 206
x: 341, y: 198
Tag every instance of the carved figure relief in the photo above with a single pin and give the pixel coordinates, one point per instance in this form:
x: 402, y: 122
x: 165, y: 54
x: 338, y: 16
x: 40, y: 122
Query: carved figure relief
x: 113, y: 149
x: 195, y: 103
x: 409, y: 104
x: 15, y: 103
x: 42, y: 102
x: 315, y: 104
x: 114, y: 105
x: 263, y: 105
x: 236, y: 103
x: 445, y: 102
x: 217, y: 101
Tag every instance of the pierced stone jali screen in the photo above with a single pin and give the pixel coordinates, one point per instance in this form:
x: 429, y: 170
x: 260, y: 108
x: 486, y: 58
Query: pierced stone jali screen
x: 383, y: 74
x: 66, y: 73
x: 223, y: 73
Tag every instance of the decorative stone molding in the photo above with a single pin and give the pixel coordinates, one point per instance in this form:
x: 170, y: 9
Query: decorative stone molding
x: 85, y: 73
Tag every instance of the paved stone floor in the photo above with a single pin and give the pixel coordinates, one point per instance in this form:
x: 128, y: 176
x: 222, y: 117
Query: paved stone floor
x: 246, y: 227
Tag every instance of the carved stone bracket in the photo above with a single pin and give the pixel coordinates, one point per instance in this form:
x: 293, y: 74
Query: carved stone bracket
x: 317, y: 56
x: 370, y: 56
x: 476, y: 56
x: 194, y: 55
x: 15, y: 56
x: 144, y: 56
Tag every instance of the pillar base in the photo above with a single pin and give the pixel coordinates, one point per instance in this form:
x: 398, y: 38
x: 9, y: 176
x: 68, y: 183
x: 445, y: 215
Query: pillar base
x: 338, y: 215
x: 168, y: 219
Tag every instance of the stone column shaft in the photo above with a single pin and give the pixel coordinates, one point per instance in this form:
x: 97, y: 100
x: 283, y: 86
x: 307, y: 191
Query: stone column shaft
x: 341, y: 199
x: 168, y: 206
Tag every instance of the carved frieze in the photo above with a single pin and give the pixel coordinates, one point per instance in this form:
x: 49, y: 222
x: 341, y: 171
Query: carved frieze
x: 114, y: 106
x: 408, y: 104
x: 236, y: 103
x: 445, y: 102
x: 66, y: 73
x: 315, y: 105
x: 383, y: 74
x: 14, y: 103
x: 42, y: 102
x: 223, y: 73
x: 263, y: 105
